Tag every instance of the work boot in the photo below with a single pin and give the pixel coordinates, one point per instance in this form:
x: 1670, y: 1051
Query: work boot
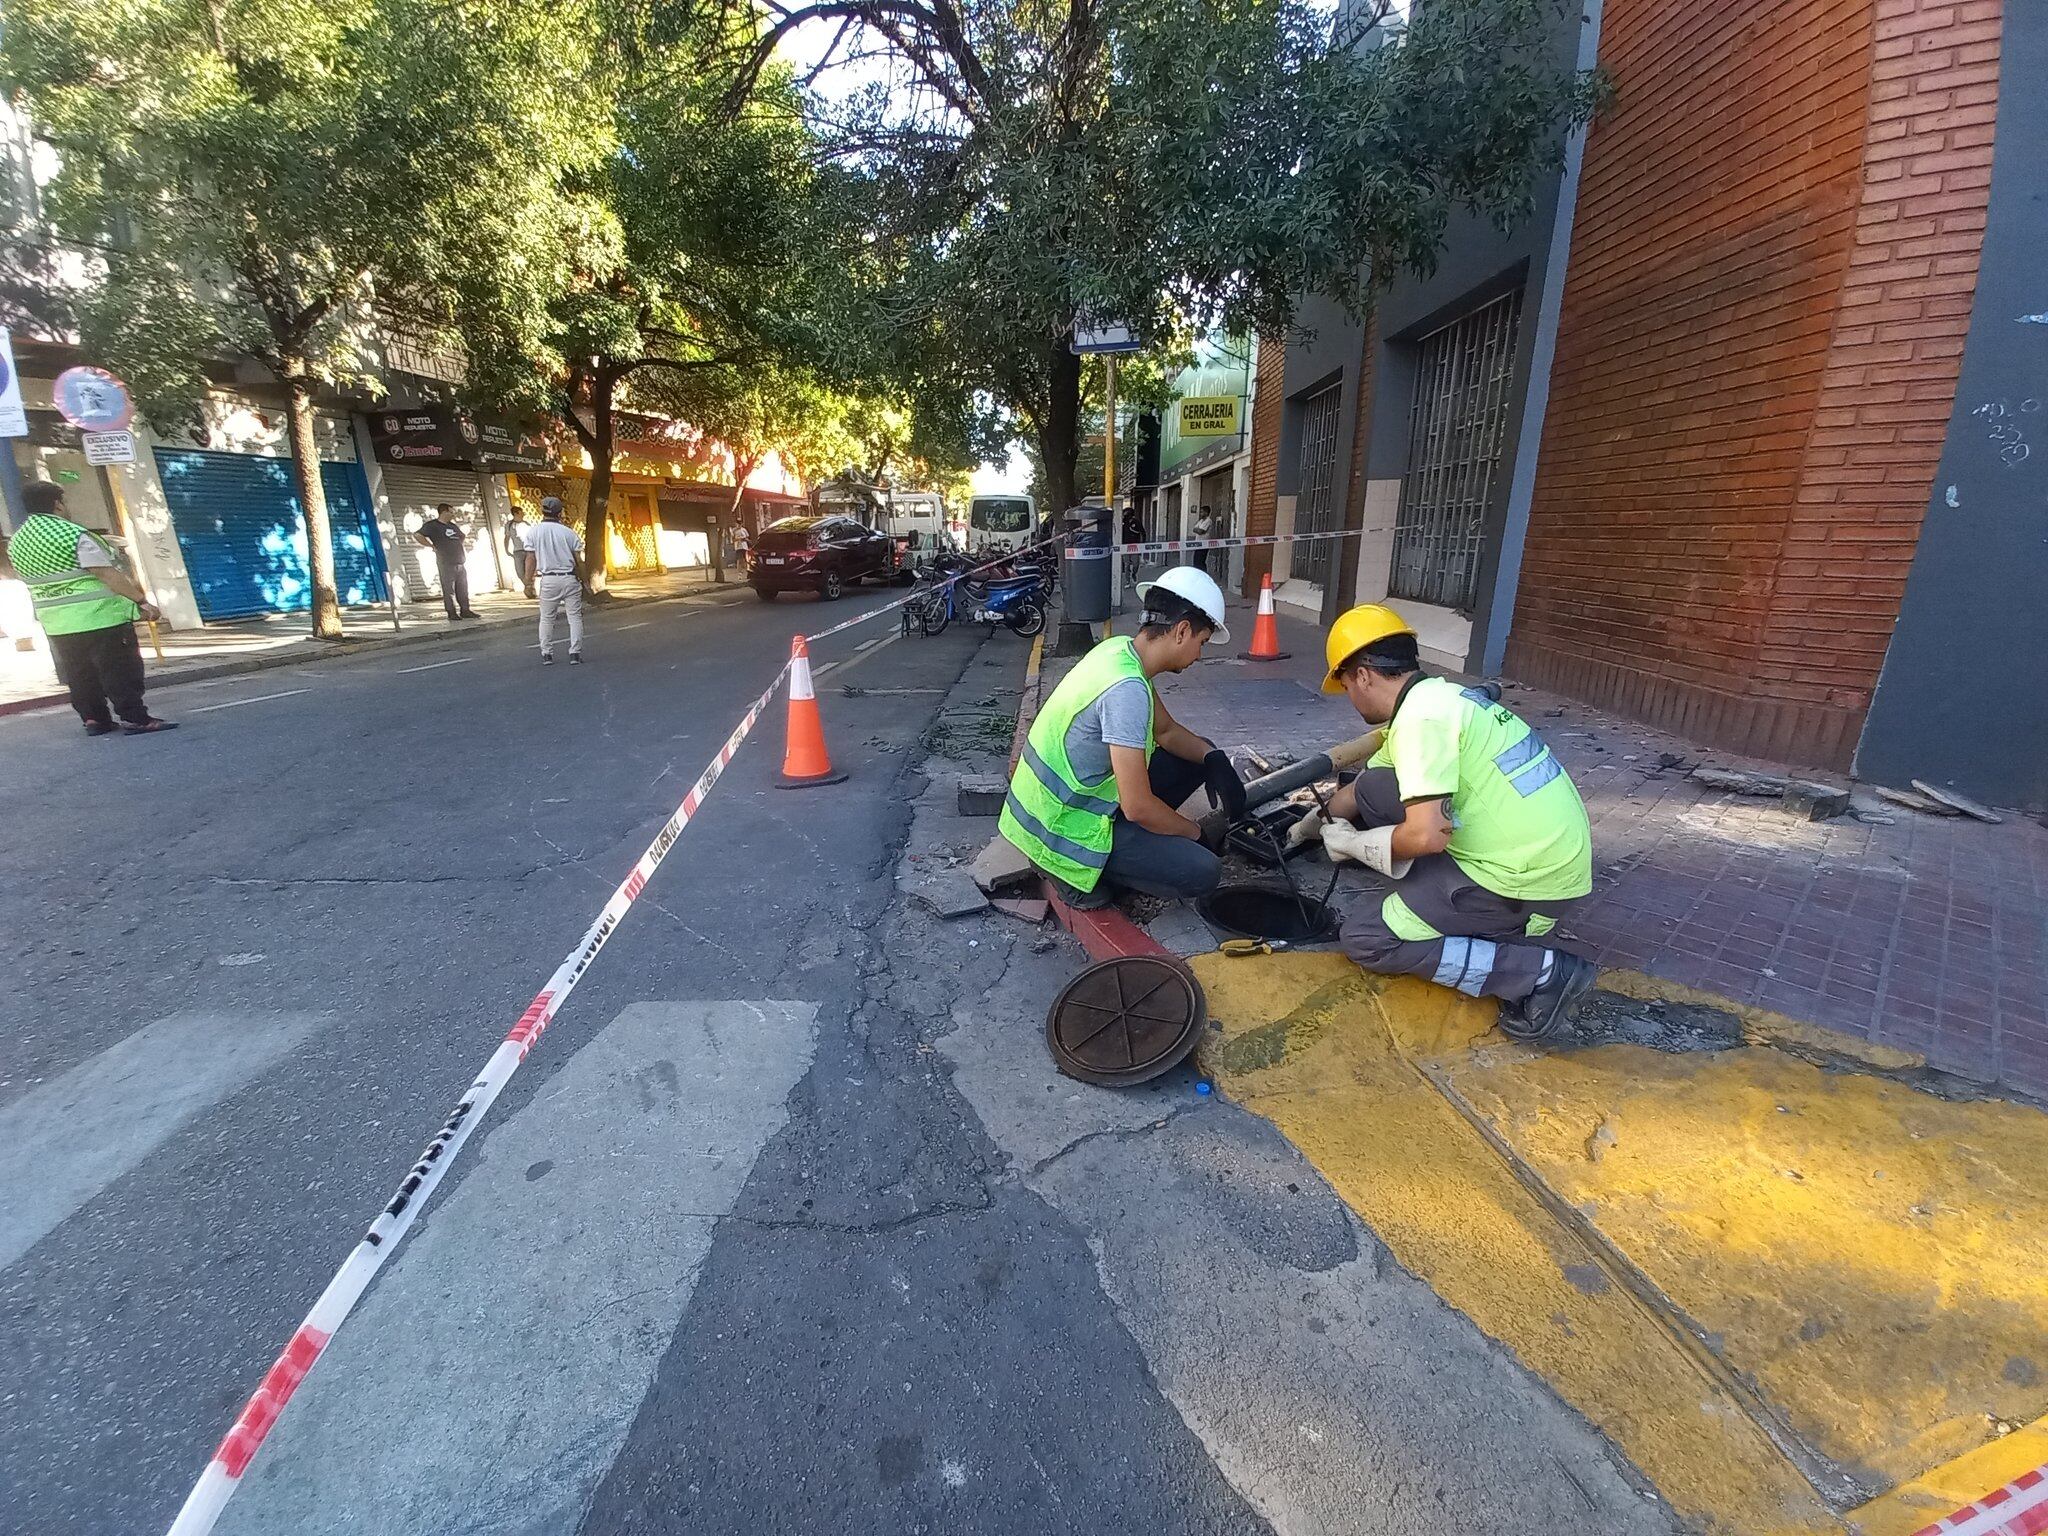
x: 1545, y: 1015
x: 1078, y: 899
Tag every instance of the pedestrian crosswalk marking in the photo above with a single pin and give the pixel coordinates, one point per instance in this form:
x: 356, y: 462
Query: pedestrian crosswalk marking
x: 63, y: 1142
x: 489, y: 1378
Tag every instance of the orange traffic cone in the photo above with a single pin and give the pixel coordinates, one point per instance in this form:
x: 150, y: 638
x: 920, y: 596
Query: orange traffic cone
x: 1265, y: 628
x: 804, y: 760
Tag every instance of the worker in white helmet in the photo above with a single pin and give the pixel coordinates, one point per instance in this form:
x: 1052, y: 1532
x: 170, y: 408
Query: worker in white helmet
x: 1095, y: 800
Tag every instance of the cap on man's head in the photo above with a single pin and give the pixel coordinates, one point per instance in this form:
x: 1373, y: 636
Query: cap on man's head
x: 551, y: 506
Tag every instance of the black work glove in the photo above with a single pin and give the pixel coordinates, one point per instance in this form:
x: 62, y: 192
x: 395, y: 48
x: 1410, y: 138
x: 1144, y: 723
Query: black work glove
x: 1226, y: 789
x: 1216, y: 830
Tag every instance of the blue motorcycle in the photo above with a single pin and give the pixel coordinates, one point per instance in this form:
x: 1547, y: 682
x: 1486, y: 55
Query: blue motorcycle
x: 1015, y: 602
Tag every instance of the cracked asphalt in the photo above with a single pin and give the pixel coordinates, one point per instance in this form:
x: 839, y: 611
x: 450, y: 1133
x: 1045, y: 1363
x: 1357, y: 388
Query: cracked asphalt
x: 787, y: 1225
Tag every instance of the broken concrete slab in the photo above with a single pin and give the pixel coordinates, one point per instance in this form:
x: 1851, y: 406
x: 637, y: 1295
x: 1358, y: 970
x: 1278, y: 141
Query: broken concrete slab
x: 1957, y: 800
x: 1913, y: 802
x: 981, y: 797
x: 1001, y: 866
x: 1812, y: 801
x: 950, y: 894
x: 1737, y: 782
x: 1030, y: 910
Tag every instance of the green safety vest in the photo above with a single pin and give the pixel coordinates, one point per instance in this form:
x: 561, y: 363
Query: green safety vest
x: 68, y: 599
x: 1062, y: 824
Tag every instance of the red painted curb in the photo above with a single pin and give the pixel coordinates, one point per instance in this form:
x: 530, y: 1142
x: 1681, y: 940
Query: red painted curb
x: 41, y: 701
x: 1106, y: 934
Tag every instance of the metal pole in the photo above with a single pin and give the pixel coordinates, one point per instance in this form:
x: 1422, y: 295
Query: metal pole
x: 1116, y: 527
x: 120, y: 508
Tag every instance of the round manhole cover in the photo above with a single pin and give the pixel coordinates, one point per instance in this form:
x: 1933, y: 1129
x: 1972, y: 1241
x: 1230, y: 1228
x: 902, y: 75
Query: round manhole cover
x: 1126, y: 1021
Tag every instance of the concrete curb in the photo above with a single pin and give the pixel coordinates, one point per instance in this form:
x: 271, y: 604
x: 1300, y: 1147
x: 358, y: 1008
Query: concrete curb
x: 1106, y: 934
x: 203, y: 671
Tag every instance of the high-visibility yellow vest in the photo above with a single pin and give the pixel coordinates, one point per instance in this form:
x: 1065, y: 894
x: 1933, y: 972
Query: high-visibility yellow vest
x: 1061, y: 823
x: 69, y: 599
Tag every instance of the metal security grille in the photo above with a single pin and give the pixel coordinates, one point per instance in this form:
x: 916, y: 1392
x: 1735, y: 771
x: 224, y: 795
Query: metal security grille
x: 1315, y: 501
x: 1455, y: 429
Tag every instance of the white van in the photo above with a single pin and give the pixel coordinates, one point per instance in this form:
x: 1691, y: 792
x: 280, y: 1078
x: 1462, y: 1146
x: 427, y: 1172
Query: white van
x: 1001, y: 522
x: 917, y: 521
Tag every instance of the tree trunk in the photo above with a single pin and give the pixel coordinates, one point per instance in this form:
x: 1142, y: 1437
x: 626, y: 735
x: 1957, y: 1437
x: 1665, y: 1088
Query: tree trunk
x: 597, y: 544
x: 1059, y: 430
x: 326, y: 603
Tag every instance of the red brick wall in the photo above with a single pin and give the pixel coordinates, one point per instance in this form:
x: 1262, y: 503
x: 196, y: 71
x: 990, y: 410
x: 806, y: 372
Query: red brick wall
x: 1772, y: 261
x: 1261, y: 505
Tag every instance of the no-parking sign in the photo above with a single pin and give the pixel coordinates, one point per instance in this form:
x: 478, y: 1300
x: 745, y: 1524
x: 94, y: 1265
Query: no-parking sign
x: 93, y: 400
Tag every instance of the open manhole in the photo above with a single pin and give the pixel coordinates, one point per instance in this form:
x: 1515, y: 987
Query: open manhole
x: 1269, y: 912
x: 1126, y: 1021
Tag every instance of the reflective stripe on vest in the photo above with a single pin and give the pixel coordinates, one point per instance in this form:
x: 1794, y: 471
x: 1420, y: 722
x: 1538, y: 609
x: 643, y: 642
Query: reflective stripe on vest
x: 1062, y: 824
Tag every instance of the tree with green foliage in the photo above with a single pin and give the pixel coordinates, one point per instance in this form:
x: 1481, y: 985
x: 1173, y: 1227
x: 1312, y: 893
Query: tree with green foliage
x: 706, y: 261
x: 273, y: 180
x: 1178, y: 165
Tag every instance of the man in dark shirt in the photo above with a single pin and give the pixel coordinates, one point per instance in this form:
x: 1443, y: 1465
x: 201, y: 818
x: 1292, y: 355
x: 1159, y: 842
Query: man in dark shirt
x: 451, y: 549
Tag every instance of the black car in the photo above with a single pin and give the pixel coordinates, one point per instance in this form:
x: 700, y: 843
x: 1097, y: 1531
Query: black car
x: 824, y: 555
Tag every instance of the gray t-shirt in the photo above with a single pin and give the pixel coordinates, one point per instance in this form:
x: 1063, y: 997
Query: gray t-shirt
x: 1119, y: 717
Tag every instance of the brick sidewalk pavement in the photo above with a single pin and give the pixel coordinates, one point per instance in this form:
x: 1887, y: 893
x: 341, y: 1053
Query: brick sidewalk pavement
x: 1929, y: 934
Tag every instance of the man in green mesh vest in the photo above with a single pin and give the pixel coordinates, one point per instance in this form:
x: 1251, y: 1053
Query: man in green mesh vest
x: 1094, y: 801
x: 88, y: 606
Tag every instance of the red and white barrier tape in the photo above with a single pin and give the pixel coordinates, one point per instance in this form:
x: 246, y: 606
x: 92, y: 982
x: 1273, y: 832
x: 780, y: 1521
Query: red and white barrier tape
x: 217, y: 1484
x: 1181, y: 546
x: 2020, y: 1508
x: 223, y: 1474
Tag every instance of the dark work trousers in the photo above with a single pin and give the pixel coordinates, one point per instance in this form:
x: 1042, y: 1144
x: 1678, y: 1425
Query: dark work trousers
x: 454, y: 586
x: 1485, y: 944
x: 102, y: 667
x: 1154, y: 863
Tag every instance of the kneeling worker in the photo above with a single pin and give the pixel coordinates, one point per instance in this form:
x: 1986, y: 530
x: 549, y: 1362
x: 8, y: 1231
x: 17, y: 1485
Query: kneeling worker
x: 1465, y: 808
x: 1095, y: 793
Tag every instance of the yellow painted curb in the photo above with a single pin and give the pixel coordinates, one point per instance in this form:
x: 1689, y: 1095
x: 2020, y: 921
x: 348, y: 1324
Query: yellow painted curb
x: 1309, y: 1042
x: 1762, y: 1027
x: 1914, y: 1506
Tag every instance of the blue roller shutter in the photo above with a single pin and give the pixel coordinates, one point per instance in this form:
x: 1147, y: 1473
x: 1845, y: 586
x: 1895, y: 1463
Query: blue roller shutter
x: 238, y: 522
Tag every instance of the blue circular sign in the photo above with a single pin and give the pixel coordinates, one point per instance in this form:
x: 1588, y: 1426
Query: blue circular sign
x: 93, y: 400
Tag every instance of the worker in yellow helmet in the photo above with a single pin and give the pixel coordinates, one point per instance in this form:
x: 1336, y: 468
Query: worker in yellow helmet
x: 1479, y: 827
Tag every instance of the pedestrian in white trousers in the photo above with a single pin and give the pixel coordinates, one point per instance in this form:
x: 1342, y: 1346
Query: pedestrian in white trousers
x: 554, y: 562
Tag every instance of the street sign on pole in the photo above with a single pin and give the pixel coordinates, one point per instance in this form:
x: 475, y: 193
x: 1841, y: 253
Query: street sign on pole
x: 1102, y: 336
x: 108, y: 447
x: 92, y: 400
x: 13, y: 416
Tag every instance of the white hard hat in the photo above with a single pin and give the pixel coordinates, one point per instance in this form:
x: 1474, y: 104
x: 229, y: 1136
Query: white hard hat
x: 1193, y: 586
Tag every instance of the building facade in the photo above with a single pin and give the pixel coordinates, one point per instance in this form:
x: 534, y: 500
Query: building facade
x: 1742, y: 435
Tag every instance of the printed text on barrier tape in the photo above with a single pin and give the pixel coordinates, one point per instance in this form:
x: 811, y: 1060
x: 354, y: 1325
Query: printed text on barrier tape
x: 1178, y: 546
x: 217, y: 1483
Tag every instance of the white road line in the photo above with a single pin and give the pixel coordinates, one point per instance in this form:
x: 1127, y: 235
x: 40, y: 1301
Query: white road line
x: 261, y: 698
x: 492, y: 1375
x: 458, y: 661
x: 65, y: 1141
x: 641, y: 625
x: 821, y: 671
x: 869, y: 644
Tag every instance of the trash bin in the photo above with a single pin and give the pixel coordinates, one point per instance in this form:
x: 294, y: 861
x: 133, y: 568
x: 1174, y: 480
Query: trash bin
x: 1087, y: 563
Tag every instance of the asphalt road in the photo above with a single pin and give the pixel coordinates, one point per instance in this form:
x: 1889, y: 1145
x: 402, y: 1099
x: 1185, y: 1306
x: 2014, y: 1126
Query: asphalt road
x: 784, y: 1226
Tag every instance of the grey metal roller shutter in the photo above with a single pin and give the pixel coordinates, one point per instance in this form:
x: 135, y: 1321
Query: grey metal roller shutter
x: 414, y: 492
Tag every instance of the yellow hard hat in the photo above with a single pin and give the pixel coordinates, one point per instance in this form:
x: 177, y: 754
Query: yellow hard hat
x: 1354, y: 631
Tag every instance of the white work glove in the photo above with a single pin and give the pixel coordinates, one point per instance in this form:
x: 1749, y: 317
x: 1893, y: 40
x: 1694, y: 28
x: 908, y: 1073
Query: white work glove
x: 1306, y: 830
x: 1371, y: 846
